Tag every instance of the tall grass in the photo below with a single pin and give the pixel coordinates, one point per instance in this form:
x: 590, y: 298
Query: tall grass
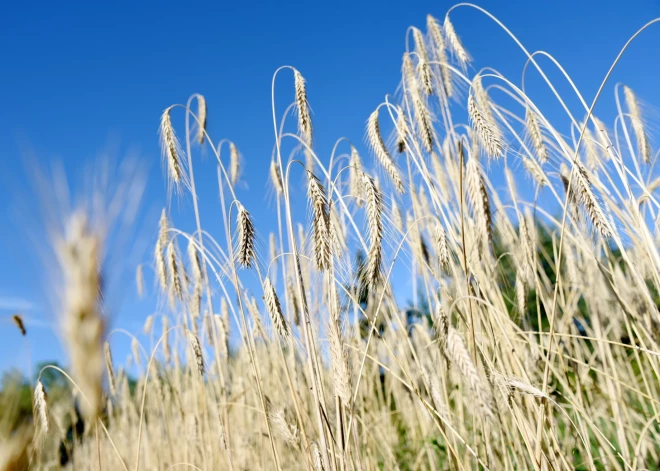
x: 532, y: 341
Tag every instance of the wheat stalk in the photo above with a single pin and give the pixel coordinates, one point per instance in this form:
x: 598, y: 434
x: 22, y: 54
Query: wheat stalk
x: 234, y: 163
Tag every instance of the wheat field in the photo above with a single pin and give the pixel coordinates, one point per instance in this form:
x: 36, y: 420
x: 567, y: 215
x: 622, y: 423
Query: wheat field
x: 532, y: 340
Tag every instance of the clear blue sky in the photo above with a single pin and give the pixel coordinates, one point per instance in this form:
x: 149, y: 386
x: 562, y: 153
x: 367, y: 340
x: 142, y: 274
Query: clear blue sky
x: 78, y: 79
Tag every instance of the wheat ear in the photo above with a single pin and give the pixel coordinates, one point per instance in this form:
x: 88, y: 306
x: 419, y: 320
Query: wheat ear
x: 379, y: 148
x: 287, y: 431
x: 107, y: 355
x: 586, y: 195
x: 455, y: 43
x: 320, y: 221
x: 201, y: 117
x: 478, y: 195
x: 171, y: 148
x: 196, y: 348
x: 234, y: 163
x: 534, y: 131
x: 442, y: 247
x: 374, y: 209
x: 245, y: 254
x: 440, y: 49
x: 18, y: 321
x: 276, y: 178
x: 84, y: 326
x: 458, y: 354
x: 354, y: 174
x: 41, y: 407
x: 488, y: 134
x: 423, y: 67
x: 173, y: 271
x: 275, y: 310
x: 643, y: 146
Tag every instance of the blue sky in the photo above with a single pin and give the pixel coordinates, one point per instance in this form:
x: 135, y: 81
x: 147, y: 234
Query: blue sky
x: 81, y: 79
